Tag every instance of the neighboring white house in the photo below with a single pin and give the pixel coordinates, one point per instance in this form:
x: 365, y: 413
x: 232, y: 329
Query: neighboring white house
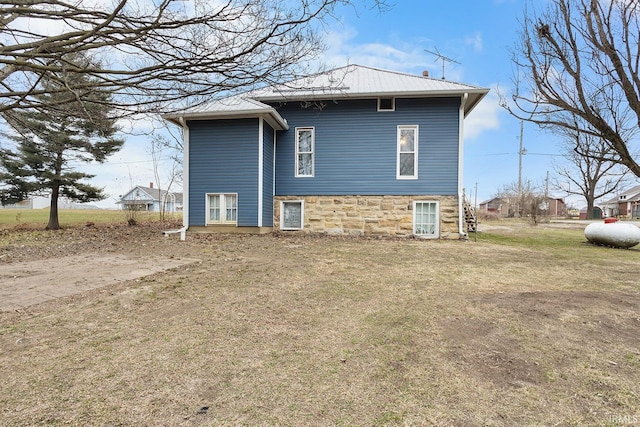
x: 150, y: 199
x: 626, y: 205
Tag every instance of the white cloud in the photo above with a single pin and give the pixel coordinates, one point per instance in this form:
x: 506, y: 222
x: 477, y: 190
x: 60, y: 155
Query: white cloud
x: 474, y: 41
x: 484, y: 117
x: 407, y: 56
x: 399, y: 56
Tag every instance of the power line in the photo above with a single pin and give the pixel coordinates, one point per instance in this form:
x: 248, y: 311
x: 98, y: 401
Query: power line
x: 116, y: 163
x: 527, y: 154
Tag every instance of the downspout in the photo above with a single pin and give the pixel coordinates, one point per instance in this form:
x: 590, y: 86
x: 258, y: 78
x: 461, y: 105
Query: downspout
x: 463, y: 102
x: 260, y: 168
x: 273, y: 183
x: 185, y: 174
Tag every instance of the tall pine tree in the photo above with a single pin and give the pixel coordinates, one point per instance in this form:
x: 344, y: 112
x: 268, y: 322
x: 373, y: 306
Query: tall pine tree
x: 75, y: 127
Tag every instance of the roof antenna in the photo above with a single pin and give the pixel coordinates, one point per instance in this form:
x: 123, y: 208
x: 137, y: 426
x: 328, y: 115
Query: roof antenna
x: 441, y: 57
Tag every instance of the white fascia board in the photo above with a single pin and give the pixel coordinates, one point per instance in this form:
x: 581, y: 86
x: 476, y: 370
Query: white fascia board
x: 270, y: 115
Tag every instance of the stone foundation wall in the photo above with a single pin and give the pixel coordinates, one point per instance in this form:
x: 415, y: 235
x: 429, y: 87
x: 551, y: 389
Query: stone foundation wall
x: 371, y: 215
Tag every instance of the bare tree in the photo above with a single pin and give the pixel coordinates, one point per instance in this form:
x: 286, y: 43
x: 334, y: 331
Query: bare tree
x: 165, y: 168
x: 588, y: 173
x: 580, y: 58
x: 524, y: 200
x: 154, y: 55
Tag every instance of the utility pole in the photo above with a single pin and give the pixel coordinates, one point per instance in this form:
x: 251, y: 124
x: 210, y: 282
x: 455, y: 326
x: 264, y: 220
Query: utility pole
x: 475, y: 211
x: 546, y: 196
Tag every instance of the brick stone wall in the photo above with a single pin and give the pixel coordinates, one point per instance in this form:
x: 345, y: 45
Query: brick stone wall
x: 371, y: 215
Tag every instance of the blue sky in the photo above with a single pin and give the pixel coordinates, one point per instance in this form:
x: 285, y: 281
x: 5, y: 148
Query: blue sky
x: 478, y: 34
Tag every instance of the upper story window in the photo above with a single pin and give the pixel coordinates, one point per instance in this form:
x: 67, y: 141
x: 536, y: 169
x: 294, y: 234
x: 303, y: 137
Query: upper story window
x: 305, y: 142
x: 407, y: 163
x: 386, y: 104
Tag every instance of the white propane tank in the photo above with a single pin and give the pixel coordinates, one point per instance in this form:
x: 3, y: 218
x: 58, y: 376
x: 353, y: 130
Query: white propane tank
x: 616, y: 234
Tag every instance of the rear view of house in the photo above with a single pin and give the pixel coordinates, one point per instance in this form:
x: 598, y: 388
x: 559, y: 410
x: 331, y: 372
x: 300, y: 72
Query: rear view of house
x: 355, y: 150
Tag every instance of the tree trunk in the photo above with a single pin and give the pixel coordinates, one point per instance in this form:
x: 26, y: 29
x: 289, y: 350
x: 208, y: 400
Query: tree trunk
x: 590, y: 208
x: 54, y: 224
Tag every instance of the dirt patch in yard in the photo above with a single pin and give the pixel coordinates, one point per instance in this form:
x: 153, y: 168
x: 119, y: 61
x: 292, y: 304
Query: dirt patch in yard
x: 487, y: 352
x: 23, y: 284
x: 314, y: 330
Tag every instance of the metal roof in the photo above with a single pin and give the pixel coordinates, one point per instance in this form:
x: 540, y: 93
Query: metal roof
x: 349, y: 82
x: 238, y: 106
x: 358, y: 81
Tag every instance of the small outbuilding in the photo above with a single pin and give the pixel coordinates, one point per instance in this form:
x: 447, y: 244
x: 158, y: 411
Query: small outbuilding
x: 596, y: 213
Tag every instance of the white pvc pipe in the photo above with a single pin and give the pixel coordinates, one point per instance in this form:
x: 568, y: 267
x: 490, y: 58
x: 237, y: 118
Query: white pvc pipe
x: 463, y: 102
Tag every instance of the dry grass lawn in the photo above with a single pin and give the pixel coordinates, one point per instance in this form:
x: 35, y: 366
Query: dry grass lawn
x: 526, y: 327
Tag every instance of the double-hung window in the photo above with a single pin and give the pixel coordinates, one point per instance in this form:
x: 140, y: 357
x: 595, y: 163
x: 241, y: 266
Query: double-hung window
x: 426, y: 219
x: 305, y: 141
x: 222, y: 208
x: 407, y: 162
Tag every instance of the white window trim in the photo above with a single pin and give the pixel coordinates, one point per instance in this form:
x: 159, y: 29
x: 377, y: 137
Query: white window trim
x: 282, y: 203
x: 313, y: 151
x: 393, y: 104
x: 436, y: 234
x: 222, y: 209
x: 415, y: 152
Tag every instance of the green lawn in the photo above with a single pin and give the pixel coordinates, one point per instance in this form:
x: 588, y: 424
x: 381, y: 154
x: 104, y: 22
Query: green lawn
x: 38, y: 218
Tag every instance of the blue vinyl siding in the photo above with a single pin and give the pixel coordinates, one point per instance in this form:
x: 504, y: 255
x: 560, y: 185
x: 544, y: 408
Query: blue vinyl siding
x: 267, y: 186
x: 355, y: 148
x: 223, y: 158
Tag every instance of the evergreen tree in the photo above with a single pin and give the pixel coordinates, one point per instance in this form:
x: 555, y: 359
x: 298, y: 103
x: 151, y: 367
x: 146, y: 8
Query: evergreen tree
x: 75, y: 127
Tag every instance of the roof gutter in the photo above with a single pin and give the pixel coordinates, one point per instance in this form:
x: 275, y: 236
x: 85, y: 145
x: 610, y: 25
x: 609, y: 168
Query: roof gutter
x: 463, y: 101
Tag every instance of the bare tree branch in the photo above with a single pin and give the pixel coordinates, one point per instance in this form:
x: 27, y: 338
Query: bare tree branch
x: 593, y: 169
x: 156, y: 57
x: 579, y: 58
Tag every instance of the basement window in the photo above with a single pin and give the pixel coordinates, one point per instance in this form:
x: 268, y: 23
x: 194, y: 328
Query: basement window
x: 386, y: 104
x: 426, y: 219
x: 291, y: 215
